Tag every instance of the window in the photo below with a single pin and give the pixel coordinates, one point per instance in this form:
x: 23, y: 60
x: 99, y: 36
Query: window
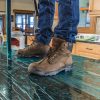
x: 24, y: 20
x: 1, y: 23
x: 84, y: 14
x: 86, y: 23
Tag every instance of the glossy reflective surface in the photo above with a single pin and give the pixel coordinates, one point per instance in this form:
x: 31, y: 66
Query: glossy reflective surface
x: 82, y: 83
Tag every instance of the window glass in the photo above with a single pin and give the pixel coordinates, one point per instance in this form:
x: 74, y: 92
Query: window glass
x: 24, y: 21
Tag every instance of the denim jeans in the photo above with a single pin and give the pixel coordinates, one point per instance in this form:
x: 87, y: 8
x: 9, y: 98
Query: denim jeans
x: 68, y: 20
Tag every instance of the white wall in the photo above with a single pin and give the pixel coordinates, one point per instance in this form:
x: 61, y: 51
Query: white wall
x: 17, y: 4
x: 2, y: 5
x: 22, y: 5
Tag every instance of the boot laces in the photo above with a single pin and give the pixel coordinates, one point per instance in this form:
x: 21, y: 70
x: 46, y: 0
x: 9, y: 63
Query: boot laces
x: 54, y: 53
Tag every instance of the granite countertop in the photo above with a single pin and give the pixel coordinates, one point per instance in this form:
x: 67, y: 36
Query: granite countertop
x: 88, y: 38
x: 89, y: 42
x: 82, y: 83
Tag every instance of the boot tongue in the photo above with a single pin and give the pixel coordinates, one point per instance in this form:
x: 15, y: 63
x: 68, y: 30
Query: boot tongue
x: 70, y: 46
x: 56, y: 52
x: 56, y: 42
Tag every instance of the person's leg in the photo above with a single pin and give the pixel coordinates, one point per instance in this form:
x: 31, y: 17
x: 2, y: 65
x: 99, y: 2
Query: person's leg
x: 46, y: 15
x: 40, y: 46
x: 60, y: 58
x: 68, y: 20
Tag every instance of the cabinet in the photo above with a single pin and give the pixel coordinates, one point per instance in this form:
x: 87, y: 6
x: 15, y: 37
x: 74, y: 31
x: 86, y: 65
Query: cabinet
x: 89, y: 50
x: 94, y: 5
x: 87, y: 23
x: 95, y: 12
x: 89, y: 16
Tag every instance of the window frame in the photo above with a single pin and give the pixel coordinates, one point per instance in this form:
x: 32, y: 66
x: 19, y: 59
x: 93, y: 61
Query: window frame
x: 22, y: 12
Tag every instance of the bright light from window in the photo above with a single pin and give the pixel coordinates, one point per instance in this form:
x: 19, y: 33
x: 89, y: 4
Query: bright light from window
x: 24, y: 21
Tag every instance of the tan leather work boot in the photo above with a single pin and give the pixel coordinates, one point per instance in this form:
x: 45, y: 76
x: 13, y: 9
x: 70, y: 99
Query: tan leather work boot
x: 59, y: 58
x: 36, y: 49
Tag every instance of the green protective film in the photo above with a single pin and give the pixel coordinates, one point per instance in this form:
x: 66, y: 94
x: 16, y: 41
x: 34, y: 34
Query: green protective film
x: 81, y: 83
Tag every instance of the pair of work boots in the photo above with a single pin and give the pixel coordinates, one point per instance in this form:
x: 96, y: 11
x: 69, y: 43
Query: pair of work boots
x: 55, y: 58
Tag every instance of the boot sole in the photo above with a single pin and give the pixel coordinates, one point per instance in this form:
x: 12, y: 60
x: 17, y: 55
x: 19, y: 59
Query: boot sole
x: 28, y: 56
x: 66, y: 68
x: 38, y: 56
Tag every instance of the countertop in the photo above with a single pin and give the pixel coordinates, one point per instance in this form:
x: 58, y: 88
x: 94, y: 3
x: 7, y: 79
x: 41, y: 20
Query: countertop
x: 82, y: 83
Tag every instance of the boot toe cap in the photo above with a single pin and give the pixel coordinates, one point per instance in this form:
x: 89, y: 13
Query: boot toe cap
x: 32, y: 68
x: 19, y: 52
